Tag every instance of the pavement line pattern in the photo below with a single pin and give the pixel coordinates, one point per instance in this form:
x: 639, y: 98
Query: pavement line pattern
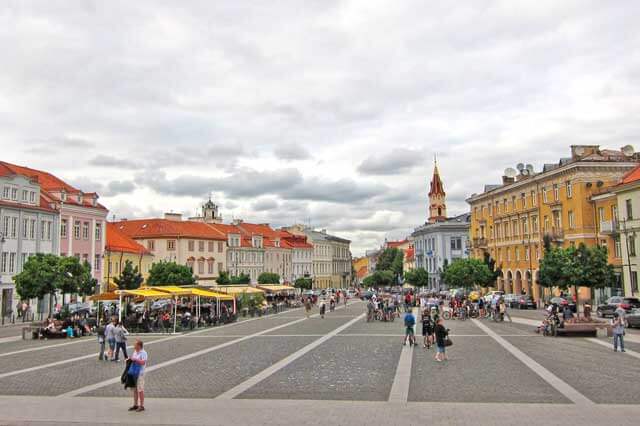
x: 104, y: 383
x: 10, y: 339
x: 560, y: 385
x: 249, y: 383
x: 400, y: 388
x: 171, y: 337
x: 108, y: 382
x: 610, y: 346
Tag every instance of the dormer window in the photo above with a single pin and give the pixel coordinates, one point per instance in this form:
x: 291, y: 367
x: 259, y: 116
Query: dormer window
x: 63, y: 195
x: 257, y: 242
x: 80, y: 197
x: 277, y: 243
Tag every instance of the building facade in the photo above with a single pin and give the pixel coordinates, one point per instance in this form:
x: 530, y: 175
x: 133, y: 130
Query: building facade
x: 628, y: 229
x: 195, y: 244
x: 28, y: 225
x: 277, y: 252
x: 119, y: 249
x: 301, y: 255
x: 441, y: 239
x: 340, y: 262
x: 509, y: 221
x: 245, y: 252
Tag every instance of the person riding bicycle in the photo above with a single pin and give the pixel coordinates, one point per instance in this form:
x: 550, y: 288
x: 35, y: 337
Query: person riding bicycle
x: 409, y: 323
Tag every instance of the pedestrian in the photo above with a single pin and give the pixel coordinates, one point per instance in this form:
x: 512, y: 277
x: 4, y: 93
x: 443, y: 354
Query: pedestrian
x: 307, y: 307
x: 503, y: 310
x: 101, y: 342
x: 622, y: 314
x: 427, y: 329
x: 109, y: 334
x: 441, y: 337
x: 617, y: 324
x: 409, y: 332
x: 120, y: 334
x: 323, y: 307
x: 138, y: 364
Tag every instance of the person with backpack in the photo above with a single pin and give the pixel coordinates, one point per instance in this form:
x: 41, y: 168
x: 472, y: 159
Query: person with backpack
x: 409, y: 334
x: 427, y: 329
x: 617, y: 324
x: 135, y: 375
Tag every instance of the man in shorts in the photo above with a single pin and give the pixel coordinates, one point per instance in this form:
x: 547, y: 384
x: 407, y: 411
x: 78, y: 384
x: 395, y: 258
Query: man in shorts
x: 409, y: 323
x: 139, y: 357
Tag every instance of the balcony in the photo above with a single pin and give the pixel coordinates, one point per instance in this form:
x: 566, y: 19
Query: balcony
x: 556, y: 235
x: 479, y: 243
x: 608, y: 227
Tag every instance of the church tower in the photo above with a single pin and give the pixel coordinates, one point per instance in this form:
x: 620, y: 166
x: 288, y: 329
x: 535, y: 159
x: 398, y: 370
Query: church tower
x: 437, y: 204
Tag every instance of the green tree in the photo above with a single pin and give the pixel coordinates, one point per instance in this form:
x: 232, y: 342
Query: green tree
x: 493, y: 268
x: 303, y: 283
x: 38, y: 277
x: 170, y: 273
x: 386, y: 259
x: 87, y: 285
x: 223, y: 278
x: 379, y: 279
x: 69, y: 275
x: 397, y: 264
x: 557, y: 268
x: 268, y: 278
x: 241, y: 279
x: 466, y: 273
x: 418, y: 277
x: 130, y: 278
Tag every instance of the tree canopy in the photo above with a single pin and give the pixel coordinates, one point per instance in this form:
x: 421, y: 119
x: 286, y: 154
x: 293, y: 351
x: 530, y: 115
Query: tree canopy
x: 38, y: 276
x: 379, y: 279
x: 130, y: 278
x: 303, y: 283
x: 467, y: 273
x: 170, y: 273
x: 268, y: 278
x: 418, y: 277
x: 223, y: 278
x: 241, y: 279
x: 582, y: 266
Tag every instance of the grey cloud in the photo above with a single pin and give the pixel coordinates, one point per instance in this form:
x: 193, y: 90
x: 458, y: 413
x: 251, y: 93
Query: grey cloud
x: 264, y: 204
x: 292, y: 152
x: 117, y: 187
x: 338, y: 191
x: 396, y: 162
x: 103, y: 160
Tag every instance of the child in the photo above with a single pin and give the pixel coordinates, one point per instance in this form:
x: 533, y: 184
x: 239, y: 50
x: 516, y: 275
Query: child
x: 427, y: 329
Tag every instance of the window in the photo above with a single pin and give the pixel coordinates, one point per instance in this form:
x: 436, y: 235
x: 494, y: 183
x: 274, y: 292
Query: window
x: 523, y: 200
x: 25, y: 228
x: 210, y: 246
x: 85, y: 230
x: 527, y: 253
x: 571, y: 219
x: 3, y: 261
x: 634, y: 281
x: 32, y: 197
x: 23, y: 260
x: 513, y: 203
x: 517, y: 249
x: 601, y: 214
x: 76, y: 229
x: 569, y: 189
x: 25, y: 195
x: 629, y: 208
x: 63, y: 228
x: 534, y: 198
x: 556, y: 192
x: 191, y: 245
x: 43, y: 230
x: 98, y: 231
x: 617, y: 247
x: 32, y: 229
x: 632, y: 245
x: 201, y: 266
x: 14, y: 194
x: 96, y: 263
x: 151, y: 245
x: 534, y: 224
x: 200, y: 245
x: 210, y: 266
x: 525, y: 226
x: 544, y: 195
x: 546, y: 224
x: 12, y: 262
x: 614, y: 212
x: 5, y: 192
x: 171, y: 245
x: 556, y: 220
x: 456, y: 243
x: 514, y: 227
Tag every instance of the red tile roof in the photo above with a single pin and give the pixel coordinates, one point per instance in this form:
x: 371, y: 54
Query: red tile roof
x: 632, y: 176
x: 117, y: 241
x: 394, y: 244
x: 50, y: 183
x: 162, y: 228
x: 409, y: 253
x: 294, y: 241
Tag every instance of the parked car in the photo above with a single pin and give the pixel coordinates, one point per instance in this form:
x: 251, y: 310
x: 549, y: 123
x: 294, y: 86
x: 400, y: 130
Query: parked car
x: 609, y: 307
x: 81, y: 308
x: 633, y: 318
x: 161, y: 304
x: 524, y: 301
x: 562, y: 302
x: 510, y: 299
x: 489, y: 296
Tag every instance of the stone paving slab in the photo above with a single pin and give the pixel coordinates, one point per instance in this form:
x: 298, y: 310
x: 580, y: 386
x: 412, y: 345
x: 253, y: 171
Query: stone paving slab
x: 67, y: 377
x: 209, y: 375
x: 30, y: 344
x: 343, y: 368
x: 83, y: 411
x: 313, y: 326
x: 595, y: 371
x: 478, y: 370
x: 246, y: 328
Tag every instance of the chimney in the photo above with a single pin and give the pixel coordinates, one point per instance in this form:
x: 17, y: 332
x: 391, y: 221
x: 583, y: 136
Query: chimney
x: 177, y: 217
x: 507, y: 180
x: 324, y: 231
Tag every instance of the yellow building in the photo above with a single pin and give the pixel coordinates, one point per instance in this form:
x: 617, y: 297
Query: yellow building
x: 118, y: 249
x: 510, y: 220
x: 361, y: 267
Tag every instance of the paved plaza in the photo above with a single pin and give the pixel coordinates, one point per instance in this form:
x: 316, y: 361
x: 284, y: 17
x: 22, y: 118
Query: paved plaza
x: 286, y: 369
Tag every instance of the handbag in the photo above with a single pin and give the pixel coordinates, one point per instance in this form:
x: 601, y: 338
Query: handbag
x: 448, y: 342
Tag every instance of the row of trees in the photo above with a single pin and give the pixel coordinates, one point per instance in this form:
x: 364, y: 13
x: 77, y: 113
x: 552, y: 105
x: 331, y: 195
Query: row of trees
x: 389, y: 270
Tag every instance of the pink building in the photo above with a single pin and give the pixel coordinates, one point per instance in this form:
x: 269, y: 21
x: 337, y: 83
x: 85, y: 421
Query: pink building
x: 82, y: 219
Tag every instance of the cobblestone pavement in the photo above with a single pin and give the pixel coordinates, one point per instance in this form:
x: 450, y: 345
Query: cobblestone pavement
x: 279, y: 361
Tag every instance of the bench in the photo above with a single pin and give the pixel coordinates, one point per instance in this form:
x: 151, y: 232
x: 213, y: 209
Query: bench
x: 583, y: 329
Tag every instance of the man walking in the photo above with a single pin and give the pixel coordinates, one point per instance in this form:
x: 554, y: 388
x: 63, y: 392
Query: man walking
x: 307, y: 307
x: 120, y: 334
x: 109, y: 334
x: 409, y: 332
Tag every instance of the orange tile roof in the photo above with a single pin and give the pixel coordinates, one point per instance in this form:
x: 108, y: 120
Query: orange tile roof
x: 409, y: 253
x: 117, y: 241
x: 632, y: 176
x: 49, y: 183
x: 294, y: 241
x: 394, y: 244
x: 161, y: 228
x: 362, y: 272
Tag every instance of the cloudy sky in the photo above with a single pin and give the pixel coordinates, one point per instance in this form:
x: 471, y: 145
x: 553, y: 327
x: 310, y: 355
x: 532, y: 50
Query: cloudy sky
x: 324, y: 112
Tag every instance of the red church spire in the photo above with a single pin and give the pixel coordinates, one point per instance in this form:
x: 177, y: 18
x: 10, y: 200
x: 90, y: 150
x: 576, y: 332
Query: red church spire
x: 437, y: 188
x: 437, y: 196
